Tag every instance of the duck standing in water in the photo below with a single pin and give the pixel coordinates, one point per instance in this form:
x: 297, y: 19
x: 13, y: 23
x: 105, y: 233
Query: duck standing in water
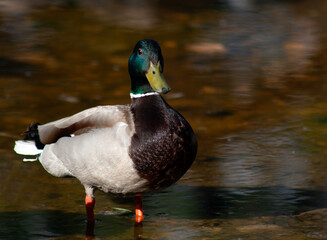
x: 120, y: 149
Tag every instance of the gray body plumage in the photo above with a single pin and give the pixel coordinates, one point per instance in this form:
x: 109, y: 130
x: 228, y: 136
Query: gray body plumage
x: 95, y: 150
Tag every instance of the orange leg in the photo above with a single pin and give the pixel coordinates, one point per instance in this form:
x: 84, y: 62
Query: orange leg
x: 89, y: 205
x: 138, y: 208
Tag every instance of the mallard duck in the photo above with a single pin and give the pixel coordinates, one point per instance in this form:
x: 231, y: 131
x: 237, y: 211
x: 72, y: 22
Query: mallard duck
x: 120, y: 149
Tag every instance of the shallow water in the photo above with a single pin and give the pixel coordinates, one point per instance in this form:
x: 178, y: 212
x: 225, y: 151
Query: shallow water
x: 249, y: 76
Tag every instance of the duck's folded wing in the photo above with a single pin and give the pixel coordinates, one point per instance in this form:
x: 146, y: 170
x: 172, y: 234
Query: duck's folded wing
x: 93, y: 118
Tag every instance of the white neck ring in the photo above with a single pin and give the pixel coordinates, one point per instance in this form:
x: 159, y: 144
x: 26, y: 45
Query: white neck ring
x: 142, y: 94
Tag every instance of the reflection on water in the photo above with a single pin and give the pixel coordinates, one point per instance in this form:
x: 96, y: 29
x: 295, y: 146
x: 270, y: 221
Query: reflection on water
x: 264, y: 157
x: 248, y: 75
x: 181, y: 203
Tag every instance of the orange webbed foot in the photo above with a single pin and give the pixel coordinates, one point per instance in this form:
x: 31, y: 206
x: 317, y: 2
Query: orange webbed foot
x: 138, y: 208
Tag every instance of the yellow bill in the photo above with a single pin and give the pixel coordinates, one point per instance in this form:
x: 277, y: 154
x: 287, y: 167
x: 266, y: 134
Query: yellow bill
x: 156, y: 79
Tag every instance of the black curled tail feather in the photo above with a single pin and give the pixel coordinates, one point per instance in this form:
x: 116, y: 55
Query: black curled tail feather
x: 32, y: 133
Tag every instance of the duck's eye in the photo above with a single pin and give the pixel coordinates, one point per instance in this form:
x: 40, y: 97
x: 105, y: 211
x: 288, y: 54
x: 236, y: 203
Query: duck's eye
x: 139, y: 52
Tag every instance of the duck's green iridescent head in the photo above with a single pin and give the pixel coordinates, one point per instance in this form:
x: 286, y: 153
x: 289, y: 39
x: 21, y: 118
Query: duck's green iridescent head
x: 145, y: 67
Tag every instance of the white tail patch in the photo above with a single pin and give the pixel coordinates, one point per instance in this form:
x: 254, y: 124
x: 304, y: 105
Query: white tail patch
x: 23, y: 147
x: 30, y: 159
